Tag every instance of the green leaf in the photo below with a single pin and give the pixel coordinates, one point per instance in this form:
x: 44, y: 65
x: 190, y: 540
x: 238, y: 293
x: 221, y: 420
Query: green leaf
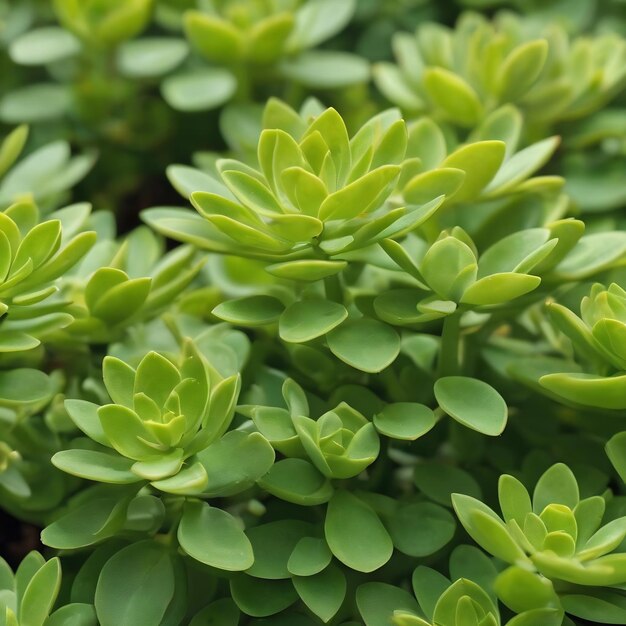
x: 40, y: 594
x: 261, y: 598
x: 273, y: 544
x: 480, y: 161
x: 473, y: 403
x: 499, y: 288
x: 378, y: 601
x: 520, y: 69
x: 318, y: 21
x: 306, y: 270
x: 323, y: 593
x: 428, y: 185
x: 326, y: 69
x: 310, y: 556
x: 380, y: 349
x: 419, y: 529
x: 250, y: 311
x: 438, y: 482
x: 151, y: 56
x: 214, y: 38
x: 514, y: 499
x: 587, y: 389
x: 222, y: 612
x: 86, y: 524
x: 255, y: 457
x: 297, y: 481
x: 267, y: 38
x: 85, y: 415
x: 450, y: 93
x: 486, y: 528
x: 557, y: 485
x: 214, y: 537
x: 355, y: 534
x: 463, y: 594
x: 92, y: 465
x: 136, y: 585
x: 405, y: 420
x: 191, y: 480
x: 198, y: 90
x: 522, y: 590
x: 449, y: 267
x: 24, y: 386
x: 522, y: 165
x: 601, y: 606
x: 74, y: 614
x: 616, y: 451
x: 35, y: 103
x: 11, y: 147
x: 41, y: 46
x: 309, y: 319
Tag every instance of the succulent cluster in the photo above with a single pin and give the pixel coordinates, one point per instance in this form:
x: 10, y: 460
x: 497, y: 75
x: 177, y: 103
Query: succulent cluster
x: 367, y: 368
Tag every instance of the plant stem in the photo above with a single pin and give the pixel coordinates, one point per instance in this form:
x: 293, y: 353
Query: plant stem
x: 449, y: 349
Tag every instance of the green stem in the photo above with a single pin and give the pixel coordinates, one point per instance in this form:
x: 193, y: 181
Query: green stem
x: 449, y: 349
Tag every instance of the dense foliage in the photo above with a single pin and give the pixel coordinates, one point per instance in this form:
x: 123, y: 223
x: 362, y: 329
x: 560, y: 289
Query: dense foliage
x: 312, y: 311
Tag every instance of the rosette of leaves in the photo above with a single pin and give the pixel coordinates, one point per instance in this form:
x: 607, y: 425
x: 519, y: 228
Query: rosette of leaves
x: 45, y: 175
x: 103, y: 65
x: 319, y: 198
x: 549, y: 76
x: 451, y: 277
x: 318, y: 195
x: 249, y: 43
x: 34, y: 255
x: 597, y: 340
x: 340, y: 444
x: 123, y: 282
x: 557, y: 546
x: 28, y: 596
x: 466, y: 597
x: 163, y: 416
x: 487, y: 169
x: 104, y: 23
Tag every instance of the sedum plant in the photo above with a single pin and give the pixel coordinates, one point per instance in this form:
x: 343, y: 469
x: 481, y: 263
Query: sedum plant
x: 367, y: 370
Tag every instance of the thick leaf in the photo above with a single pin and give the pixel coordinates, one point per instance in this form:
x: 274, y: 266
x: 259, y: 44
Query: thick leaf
x: 136, y: 585
x: 297, y: 481
x: 151, y: 56
x: 260, y: 598
x: 438, y: 482
x: 450, y: 93
x: 323, y: 593
x: 421, y: 528
x: 43, y: 45
x: 214, y: 537
x: 365, y: 344
x: 198, y: 90
x: 378, y: 601
x: 473, y: 403
x: 273, y: 544
x: 309, y: 319
x: 40, y: 594
x: 250, y: 311
x: 100, y: 466
x: 310, y: 556
x: 405, y: 420
x: 355, y: 534
x: 326, y: 69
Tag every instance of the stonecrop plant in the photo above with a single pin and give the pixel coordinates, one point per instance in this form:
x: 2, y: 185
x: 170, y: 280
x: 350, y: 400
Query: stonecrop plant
x: 312, y: 312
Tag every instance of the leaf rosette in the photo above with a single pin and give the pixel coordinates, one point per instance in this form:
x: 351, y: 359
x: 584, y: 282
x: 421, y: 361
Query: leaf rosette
x: 556, y: 534
x: 163, y: 415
